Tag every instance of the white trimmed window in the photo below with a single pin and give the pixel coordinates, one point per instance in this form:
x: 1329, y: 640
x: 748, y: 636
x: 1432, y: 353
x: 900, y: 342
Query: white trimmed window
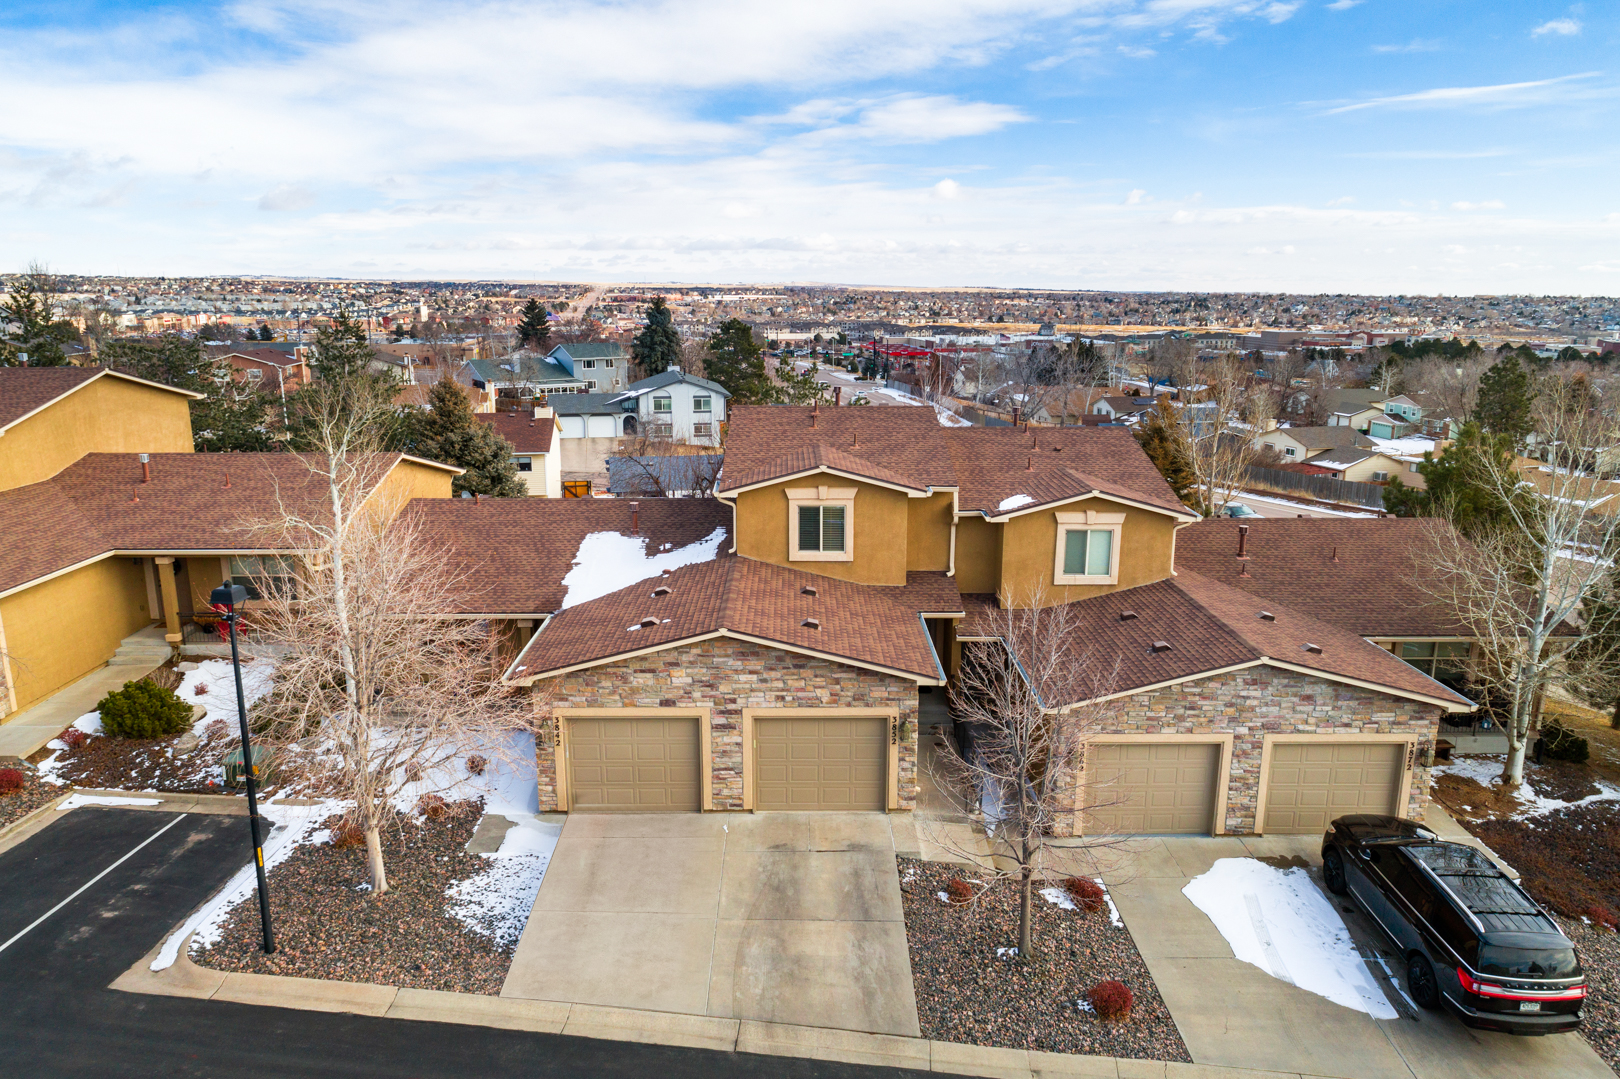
x: 703, y: 430
x: 258, y: 573
x: 1088, y: 548
x: 525, y: 464
x: 703, y: 403
x: 821, y: 524
x: 663, y: 403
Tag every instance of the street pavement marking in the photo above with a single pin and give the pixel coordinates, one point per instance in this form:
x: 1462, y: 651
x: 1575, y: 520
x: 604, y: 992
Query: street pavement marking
x: 35, y: 924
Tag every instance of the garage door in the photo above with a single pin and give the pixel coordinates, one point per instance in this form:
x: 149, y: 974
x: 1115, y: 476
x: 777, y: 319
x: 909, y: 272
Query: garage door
x: 1153, y: 787
x: 829, y: 764
x: 1310, y: 783
x: 629, y: 765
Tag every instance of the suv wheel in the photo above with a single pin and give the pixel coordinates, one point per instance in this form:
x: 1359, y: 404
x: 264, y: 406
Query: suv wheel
x: 1421, y: 982
x: 1333, y: 871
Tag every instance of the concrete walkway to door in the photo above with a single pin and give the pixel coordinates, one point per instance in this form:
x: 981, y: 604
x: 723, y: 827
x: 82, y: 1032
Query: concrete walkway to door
x: 778, y: 917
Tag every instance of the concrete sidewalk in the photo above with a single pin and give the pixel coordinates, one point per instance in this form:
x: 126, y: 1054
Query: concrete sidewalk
x: 32, y: 727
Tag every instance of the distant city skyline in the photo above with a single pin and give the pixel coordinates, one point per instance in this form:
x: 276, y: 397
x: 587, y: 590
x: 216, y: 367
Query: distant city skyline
x: 1355, y: 146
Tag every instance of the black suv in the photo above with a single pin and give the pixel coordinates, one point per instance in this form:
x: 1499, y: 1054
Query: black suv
x: 1474, y: 941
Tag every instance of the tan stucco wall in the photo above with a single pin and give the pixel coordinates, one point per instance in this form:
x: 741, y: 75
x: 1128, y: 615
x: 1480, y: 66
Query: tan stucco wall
x: 928, y: 533
x: 1029, y: 550
x: 878, y: 530
x: 408, y: 480
x: 978, y: 555
x: 64, y: 628
x: 109, y: 415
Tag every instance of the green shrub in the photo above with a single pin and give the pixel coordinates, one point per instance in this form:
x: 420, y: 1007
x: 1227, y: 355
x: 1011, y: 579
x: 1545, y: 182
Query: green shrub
x: 143, y: 710
x: 1563, y: 744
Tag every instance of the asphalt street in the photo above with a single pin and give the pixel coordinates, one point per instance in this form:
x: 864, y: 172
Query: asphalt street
x: 58, y: 1018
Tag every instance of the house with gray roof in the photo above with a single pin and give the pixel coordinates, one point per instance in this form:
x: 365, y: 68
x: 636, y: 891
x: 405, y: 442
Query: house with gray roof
x: 603, y: 366
x: 677, y: 407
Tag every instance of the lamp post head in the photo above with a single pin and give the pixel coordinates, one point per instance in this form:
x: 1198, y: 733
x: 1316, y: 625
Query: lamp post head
x: 228, y: 595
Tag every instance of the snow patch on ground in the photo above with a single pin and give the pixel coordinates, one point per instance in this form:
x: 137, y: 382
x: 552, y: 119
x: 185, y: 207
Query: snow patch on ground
x: 496, y: 902
x: 1280, y: 921
x: 74, y: 801
x: 609, y: 561
x: 1012, y: 502
x: 219, y: 697
x: 293, y: 827
x: 947, y: 418
x: 1486, y: 770
x: 1061, y: 898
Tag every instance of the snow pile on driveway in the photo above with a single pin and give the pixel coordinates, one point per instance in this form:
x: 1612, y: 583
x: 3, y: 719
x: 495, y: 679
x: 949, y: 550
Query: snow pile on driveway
x: 609, y: 561
x: 1280, y: 921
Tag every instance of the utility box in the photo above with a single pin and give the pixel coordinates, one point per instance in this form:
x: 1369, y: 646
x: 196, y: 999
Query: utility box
x: 263, y: 764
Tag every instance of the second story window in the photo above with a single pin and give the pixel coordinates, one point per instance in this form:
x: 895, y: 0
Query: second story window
x: 663, y: 404
x: 525, y: 464
x: 703, y: 403
x: 1088, y: 548
x: 821, y: 524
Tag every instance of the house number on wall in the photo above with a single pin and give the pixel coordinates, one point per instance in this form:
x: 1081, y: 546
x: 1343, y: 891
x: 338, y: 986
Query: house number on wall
x: 894, y: 730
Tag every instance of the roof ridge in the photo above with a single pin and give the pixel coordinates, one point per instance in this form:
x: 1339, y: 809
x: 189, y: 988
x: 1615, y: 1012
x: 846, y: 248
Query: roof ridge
x: 1176, y: 583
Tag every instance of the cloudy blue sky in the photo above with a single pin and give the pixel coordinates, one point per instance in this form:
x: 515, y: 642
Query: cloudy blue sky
x: 1303, y: 145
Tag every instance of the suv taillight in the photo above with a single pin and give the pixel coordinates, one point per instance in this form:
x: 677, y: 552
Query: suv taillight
x: 1473, y: 985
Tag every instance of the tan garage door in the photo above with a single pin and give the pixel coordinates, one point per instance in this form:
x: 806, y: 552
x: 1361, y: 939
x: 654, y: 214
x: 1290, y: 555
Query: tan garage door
x: 813, y: 763
x: 1153, y: 787
x: 629, y: 765
x: 1310, y: 783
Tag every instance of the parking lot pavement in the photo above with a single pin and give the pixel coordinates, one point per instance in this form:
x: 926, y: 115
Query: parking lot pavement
x: 1234, y: 1014
x: 84, y: 899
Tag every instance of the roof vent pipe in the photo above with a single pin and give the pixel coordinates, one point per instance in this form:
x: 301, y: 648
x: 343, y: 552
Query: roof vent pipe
x: 146, y: 467
x: 635, y: 518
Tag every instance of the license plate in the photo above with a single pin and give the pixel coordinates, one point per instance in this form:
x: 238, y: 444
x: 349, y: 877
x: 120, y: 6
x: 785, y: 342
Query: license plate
x: 1529, y: 1005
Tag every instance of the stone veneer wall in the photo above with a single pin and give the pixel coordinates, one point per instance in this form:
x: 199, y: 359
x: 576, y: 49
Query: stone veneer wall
x: 1258, y: 701
x: 728, y: 676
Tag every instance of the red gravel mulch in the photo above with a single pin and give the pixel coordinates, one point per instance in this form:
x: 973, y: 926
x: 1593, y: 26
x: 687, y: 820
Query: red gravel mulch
x: 329, y: 925
x: 965, y: 993
x: 1599, y: 950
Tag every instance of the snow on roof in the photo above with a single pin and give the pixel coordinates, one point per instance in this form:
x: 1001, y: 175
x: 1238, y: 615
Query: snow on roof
x: 1012, y: 502
x: 609, y: 561
x: 1413, y: 444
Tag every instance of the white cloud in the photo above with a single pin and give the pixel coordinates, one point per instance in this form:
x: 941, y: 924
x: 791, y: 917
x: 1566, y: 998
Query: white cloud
x: 947, y: 189
x: 1489, y: 204
x: 284, y: 197
x: 1137, y: 53
x: 1343, y: 200
x: 1507, y: 93
x: 1560, y: 27
x: 1342, y: 5
x: 1137, y: 197
x: 1415, y: 45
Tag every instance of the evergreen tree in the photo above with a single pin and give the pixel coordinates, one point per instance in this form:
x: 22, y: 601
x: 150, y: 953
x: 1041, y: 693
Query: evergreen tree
x: 1451, y: 485
x: 341, y: 350
x: 658, y: 347
x: 533, y: 329
x: 800, y: 389
x: 26, y: 328
x: 737, y: 363
x: 235, y: 416
x: 1159, y: 438
x: 265, y: 333
x: 1506, y: 393
x: 449, y: 432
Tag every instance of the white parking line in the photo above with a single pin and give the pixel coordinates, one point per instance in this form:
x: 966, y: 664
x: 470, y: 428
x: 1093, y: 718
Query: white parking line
x: 35, y: 924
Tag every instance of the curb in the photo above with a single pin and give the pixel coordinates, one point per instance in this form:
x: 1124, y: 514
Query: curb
x: 170, y: 802
x: 186, y: 979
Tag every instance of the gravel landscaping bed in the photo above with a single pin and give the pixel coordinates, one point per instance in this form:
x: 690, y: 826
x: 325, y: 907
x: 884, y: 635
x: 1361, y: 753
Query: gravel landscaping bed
x: 146, y: 764
x: 965, y: 993
x: 14, y: 807
x: 1599, y: 950
x: 329, y: 925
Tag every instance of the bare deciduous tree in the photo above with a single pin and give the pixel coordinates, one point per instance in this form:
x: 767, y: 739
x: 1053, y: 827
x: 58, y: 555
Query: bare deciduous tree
x: 1033, y: 698
x: 373, y: 670
x: 1212, y: 428
x: 1524, y: 585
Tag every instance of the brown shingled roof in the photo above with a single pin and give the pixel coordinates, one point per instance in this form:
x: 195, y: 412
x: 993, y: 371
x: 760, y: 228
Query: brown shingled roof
x: 99, y: 504
x: 810, y: 458
x: 1053, y: 463
x: 904, y: 442
x: 865, y: 625
x: 24, y: 390
x: 1211, y: 627
x: 1369, y: 590
x: 516, y: 551
x: 526, y: 432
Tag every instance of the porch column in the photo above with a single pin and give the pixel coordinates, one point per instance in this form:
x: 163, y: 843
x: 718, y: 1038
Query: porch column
x: 525, y: 630
x: 171, y: 602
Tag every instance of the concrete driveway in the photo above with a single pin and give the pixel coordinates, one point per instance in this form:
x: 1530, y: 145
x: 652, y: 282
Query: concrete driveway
x: 779, y: 917
x: 1234, y: 1014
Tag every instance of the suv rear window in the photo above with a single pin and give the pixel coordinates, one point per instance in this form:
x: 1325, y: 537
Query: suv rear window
x: 1527, y: 962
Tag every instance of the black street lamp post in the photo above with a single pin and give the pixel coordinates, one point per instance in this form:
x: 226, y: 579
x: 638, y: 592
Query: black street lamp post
x: 230, y: 597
